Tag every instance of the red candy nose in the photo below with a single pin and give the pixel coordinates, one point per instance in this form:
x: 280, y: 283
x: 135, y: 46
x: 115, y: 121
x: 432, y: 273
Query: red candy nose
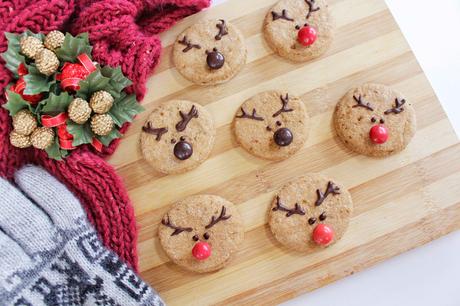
x: 201, y: 250
x: 323, y: 234
x: 378, y: 134
x: 306, y: 36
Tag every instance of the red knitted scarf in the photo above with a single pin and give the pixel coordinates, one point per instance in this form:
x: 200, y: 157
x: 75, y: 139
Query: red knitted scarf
x: 123, y: 33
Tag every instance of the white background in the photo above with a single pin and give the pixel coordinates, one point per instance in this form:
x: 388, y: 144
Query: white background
x: 428, y: 275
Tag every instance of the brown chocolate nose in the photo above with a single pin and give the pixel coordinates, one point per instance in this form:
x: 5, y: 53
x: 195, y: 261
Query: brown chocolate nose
x: 283, y: 137
x: 215, y: 59
x: 183, y: 150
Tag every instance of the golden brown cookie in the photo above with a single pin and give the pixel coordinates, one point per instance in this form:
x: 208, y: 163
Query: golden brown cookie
x: 209, y: 52
x: 177, y: 136
x: 310, y: 212
x: 272, y: 125
x: 375, y: 120
x: 299, y: 30
x: 201, y: 232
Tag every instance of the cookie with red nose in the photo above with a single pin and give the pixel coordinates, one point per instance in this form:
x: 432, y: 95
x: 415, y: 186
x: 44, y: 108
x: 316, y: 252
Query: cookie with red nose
x: 177, y: 136
x: 299, y: 30
x: 201, y: 233
x: 209, y: 52
x: 310, y: 213
x: 272, y: 125
x: 375, y: 120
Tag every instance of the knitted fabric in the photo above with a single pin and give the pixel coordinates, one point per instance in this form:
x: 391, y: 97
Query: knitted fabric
x: 123, y: 33
x: 51, y: 255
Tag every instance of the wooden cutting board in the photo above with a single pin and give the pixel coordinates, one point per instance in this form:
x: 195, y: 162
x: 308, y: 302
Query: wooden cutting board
x: 401, y: 202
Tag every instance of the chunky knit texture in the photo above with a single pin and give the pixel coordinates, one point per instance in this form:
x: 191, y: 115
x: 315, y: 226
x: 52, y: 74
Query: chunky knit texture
x: 123, y: 33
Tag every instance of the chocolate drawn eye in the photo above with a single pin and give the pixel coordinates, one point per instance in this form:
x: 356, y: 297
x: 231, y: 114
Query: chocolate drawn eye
x: 297, y: 27
x: 322, y: 217
x: 373, y: 120
x: 382, y: 121
x: 195, y: 238
x: 311, y: 221
x: 206, y: 236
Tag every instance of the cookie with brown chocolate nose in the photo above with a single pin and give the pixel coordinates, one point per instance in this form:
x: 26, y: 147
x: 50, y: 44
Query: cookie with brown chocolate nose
x: 272, y: 125
x: 299, y: 30
x: 209, y: 52
x: 201, y: 233
x: 375, y: 120
x: 310, y: 213
x: 177, y: 136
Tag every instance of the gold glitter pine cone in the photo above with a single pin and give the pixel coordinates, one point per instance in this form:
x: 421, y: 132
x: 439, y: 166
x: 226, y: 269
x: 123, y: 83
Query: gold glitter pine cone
x: 42, y: 137
x: 54, y: 40
x: 79, y: 111
x: 30, y: 46
x: 19, y: 141
x: 24, y: 122
x: 102, y: 124
x: 101, y: 102
x: 47, y: 62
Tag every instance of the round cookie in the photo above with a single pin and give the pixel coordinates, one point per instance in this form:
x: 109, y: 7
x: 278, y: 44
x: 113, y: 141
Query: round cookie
x: 310, y: 213
x: 197, y: 223
x: 209, y: 52
x: 374, y: 120
x: 177, y: 136
x: 288, y: 20
x: 272, y: 125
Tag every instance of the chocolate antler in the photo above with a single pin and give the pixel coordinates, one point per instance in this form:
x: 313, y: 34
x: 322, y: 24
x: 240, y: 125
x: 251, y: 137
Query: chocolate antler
x: 188, y: 44
x: 215, y: 220
x: 177, y: 229
x: 222, y: 29
x: 289, y: 212
x: 398, y: 107
x: 360, y: 103
x: 311, y: 7
x: 253, y: 116
x: 284, y: 108
x: 331, y: 188
x: 182, y: 125
x: 283, y: 15
x: 151, y: 130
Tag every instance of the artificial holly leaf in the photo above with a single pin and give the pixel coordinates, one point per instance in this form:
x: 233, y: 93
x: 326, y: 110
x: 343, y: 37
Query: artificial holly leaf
x: 16, y: 103
x: 12, y: 56
x: 117, y: 80
x: 124, y: 109
x: 56, y: 104
x: 107, y: 139
x: 94, y: 82
x: 55, y: 152
x: 74, y: 46
x: 36, y: 35
x: 81, y: 133
x: 36, y: 82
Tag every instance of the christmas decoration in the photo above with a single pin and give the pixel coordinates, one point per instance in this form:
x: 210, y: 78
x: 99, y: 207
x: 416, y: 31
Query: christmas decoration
x: 48, y: 103
x: 54, y: 40
x: 79, y: 111
x: 101, y: 102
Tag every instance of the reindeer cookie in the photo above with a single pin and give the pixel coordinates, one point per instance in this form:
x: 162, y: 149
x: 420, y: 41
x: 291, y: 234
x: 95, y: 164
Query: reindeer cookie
x: 299, y: 30
x: 209, y: 52
x: 177, y: 136
x: 310, y: 213
x: 375, y: 120
x: 272, y: 125
x: 201, y: 232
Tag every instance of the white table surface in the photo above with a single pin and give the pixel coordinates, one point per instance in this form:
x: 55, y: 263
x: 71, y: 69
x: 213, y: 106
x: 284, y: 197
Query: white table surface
x: 428, y: 275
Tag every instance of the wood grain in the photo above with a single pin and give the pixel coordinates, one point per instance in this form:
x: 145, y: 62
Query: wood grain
x: 400, y: 201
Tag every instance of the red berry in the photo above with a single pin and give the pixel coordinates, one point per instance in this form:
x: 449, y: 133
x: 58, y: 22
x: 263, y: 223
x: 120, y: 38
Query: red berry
x: 378, y: 134
x: 201, y: 250
x: 73, y: 71
x: 323, y: 234
x: 307, y: 36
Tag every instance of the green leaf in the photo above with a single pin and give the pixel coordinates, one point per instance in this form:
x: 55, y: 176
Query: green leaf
x: 36, y: 82
x: 107, y: 139
x: 94, y: 82
x: 12, y: 56
x: 81, y: 133
x: 55, y: 152
x: 74, y: 46
x: 16, y: 103
x: 36, y: 35
x: 56, y: 104
x: 124, y: 109
x: 117, y: 80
